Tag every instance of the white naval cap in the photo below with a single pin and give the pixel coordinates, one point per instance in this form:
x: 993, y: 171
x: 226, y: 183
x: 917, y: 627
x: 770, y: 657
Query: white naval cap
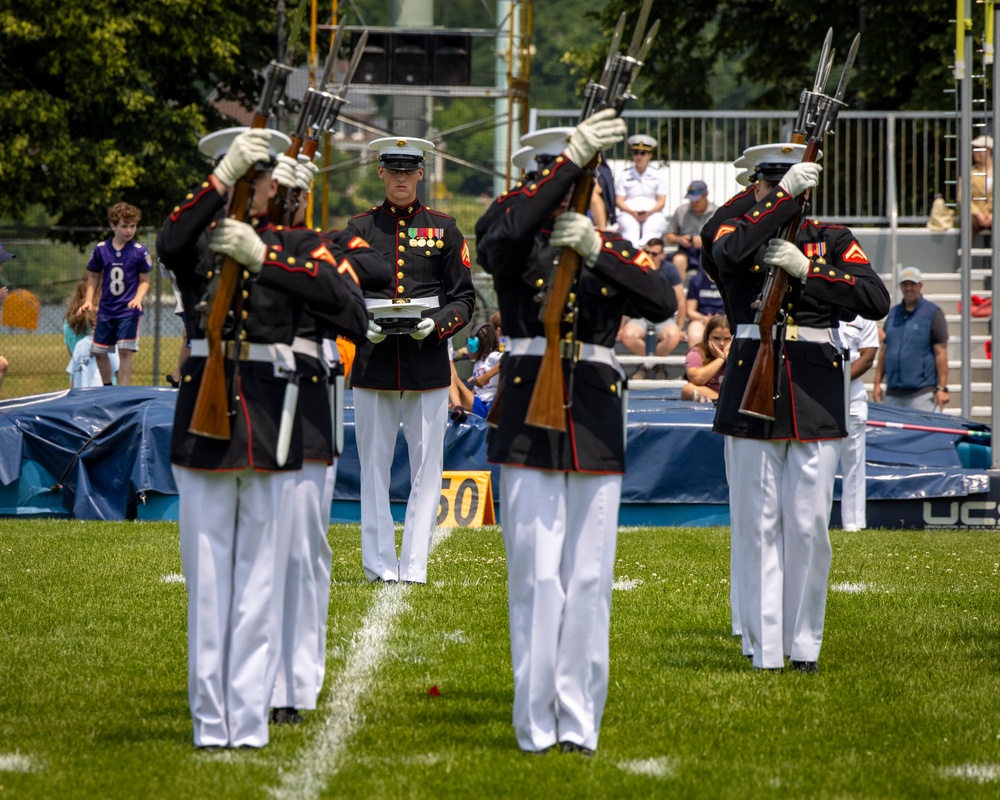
x: 542, y: 146
x: 770, y: 162
x: 642, y: 141
x: 216, y: 144
x: 401, y: 152
x: 524, y: 159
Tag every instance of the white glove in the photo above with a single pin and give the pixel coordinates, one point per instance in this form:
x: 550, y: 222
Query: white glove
x: 240, y: 241
x: 601, y: 130
x: 800, y: 177
x: 247, y: 149
x: 305, y: 173
x: 424, y: 328
x: 782, y: 253
x: 577, y: 232
x: 284, y: 172
x: 374, y: 333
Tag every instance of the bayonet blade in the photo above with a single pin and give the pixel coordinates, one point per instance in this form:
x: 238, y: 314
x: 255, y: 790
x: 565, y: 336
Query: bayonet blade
x: 331, y: 58
x: 352, y: 67
x: 640, y: 28
x: 647, y: 43
x: 616, y: 40
x: 824, y: 56
x: 293, y: 32
x: 848, y: 66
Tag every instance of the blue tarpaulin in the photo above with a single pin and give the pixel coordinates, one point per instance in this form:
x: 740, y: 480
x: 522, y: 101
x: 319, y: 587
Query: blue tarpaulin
x: 96, y: 453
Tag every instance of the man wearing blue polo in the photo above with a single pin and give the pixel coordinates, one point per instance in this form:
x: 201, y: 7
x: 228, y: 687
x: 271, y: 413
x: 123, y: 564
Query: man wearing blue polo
x: 914, y: 358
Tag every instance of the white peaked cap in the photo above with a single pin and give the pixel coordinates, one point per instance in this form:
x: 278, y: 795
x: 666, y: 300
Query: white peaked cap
x: 216, y: 144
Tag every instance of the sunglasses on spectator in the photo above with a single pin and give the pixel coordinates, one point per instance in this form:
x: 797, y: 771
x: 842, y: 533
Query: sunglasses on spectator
x: 638, y: 152
x: 653, y: 253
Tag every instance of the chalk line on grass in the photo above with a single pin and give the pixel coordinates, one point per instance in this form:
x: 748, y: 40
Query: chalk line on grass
x: 974, y: 773
x: 627, y: 584
x: 848, y: 587
x: 661, y: 767
x: 339, y: 716
x: 16, y: 762
x: 172, y: 577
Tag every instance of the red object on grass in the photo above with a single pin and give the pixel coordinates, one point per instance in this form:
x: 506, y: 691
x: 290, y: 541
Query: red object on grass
x: 434, y: 691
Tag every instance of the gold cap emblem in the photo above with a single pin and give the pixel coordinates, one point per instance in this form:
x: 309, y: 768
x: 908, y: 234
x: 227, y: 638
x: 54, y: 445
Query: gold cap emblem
x: 401, y: 143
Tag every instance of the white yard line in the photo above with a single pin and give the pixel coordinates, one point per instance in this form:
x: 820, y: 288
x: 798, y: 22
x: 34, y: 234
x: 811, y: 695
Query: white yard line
x: 16, y: 762
x: 339, y: 717
x: 974, y: 773
x: 662, y: 767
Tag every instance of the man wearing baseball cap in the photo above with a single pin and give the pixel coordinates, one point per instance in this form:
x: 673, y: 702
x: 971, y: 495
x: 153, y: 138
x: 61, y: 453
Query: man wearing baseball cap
x: 914, y: 358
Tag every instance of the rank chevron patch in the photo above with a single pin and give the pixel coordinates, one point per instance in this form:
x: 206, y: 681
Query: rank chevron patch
x: 855, y: 255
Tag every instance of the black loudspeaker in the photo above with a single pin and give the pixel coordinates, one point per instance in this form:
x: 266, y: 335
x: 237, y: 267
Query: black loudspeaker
x: 451, y: 59
x: 409, y: 59
x: 374, y: 64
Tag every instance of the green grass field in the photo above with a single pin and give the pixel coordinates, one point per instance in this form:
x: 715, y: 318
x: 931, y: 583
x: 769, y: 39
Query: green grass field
x: 906, y: 705
x: 38, y: 363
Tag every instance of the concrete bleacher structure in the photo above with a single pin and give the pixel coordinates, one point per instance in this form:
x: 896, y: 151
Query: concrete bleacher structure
x: 937, y: 255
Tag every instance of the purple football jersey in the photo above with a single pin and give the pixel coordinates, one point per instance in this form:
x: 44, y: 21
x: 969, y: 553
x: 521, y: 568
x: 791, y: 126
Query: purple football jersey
x: 120, y: 269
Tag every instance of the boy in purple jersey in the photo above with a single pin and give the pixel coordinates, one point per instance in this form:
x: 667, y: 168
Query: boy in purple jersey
x: 124, y: 265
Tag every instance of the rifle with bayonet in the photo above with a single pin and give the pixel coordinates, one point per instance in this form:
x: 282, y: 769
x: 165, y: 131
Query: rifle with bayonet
x: 211, y: 413
x: 550, y: 398
x: 279, y: 211
x: 817, y: 116
x: 324, y: 111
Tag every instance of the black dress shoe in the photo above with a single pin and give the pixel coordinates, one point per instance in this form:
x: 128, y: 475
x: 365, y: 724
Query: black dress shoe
x: 285, y: 716
x: 805, y: 666
x: 573, y: 747
x: 541, y: 752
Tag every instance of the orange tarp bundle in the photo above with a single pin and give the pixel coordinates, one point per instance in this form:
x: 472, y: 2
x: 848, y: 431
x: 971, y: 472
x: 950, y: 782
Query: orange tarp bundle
x: 21, y: 309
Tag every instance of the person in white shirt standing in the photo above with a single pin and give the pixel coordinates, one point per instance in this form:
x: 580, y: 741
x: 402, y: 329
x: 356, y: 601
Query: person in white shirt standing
x: 641, y: 194
x: 861, y: 337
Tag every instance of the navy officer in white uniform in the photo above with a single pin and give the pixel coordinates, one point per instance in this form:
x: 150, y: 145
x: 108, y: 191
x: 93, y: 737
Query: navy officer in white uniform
x: 641, y: 194
x: 781, y: 471
x: 407, y: 374
x: 560, y: 492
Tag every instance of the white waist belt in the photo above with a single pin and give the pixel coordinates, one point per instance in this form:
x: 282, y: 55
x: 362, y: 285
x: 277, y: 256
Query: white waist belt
x: 427, y: 302
x: 793, y: 333
x: 278, y: 354
x: 307, y: 347
x: 581, y: 351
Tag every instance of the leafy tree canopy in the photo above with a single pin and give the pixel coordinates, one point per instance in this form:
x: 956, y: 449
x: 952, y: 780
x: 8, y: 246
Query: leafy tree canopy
x: 102, y: 101
x: 760, y: 53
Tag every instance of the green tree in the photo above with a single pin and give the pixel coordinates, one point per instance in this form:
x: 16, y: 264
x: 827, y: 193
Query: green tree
x: 904, y: 61
x: 103, y: 101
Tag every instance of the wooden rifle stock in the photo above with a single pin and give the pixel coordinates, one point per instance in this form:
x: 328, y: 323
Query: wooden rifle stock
x: 211, y: 409
x: 758, y: 397
x: 548, y: 400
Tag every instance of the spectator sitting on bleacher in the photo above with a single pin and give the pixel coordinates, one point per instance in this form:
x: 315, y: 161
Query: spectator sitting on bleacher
x: 703, y: 302
x: 669, y: 333
x: 913, y: 360
x: 982, y: 184
x: 477, y: 395
x: 705, y: 364
x: 685, y: 224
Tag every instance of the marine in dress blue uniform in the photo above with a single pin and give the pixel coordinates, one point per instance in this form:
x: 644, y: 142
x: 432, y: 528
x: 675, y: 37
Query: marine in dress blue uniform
x: 407, y: 375
x: 560, y: 492
x: 781, y: 471
x: 234, y: 546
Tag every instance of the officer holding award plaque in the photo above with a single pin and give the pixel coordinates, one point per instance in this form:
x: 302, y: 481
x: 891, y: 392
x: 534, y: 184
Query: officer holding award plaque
x: 403, y: 368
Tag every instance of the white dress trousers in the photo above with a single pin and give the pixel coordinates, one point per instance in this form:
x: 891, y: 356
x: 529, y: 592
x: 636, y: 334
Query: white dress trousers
x: 234, y: 552
x: 780, y: 495
x: 560, y: 533
x: 734, y: 559
x: 853, y: 487
x: 376, y: 420
x: 307, y: 590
